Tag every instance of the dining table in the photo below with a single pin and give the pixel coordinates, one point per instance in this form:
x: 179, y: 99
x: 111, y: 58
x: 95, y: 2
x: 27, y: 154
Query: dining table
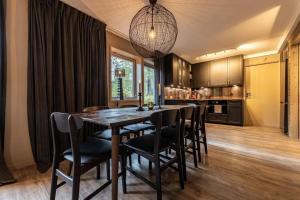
x: 115, y: 119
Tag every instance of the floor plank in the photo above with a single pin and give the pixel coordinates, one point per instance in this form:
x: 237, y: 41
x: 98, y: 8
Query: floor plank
x: 243, y: 163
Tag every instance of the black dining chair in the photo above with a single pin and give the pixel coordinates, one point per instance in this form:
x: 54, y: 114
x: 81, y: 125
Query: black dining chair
x: 137, y: 129
x: 93, y: 126
x: 151, y: 145
x: 187, y: 122
x: 106, y: 134
x: 188, y: 125
x: 200, y: 130
x: 84, y: 155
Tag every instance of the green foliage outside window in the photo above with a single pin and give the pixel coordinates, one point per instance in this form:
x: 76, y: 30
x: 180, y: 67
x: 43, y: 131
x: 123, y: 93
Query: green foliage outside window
x: 128, y: 80
x: 149, y: 84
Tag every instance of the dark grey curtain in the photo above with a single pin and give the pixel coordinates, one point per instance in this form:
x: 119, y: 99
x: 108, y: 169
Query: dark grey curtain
x: 66, y: 70
x: 5, y: 175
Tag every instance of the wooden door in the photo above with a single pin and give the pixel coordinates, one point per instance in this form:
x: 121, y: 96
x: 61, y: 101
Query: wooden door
x: 218, y: 73
x: 262, y: 87
x: 235, y: 70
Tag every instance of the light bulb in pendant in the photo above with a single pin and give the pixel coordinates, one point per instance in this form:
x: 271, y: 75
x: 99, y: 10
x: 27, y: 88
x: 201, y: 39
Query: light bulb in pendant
x: 152, y: 33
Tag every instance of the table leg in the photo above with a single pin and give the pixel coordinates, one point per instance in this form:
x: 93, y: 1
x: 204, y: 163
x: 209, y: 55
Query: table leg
x: 115, y: 161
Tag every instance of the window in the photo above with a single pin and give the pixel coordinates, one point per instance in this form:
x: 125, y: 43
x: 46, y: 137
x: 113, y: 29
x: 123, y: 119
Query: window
x: 129, y: 79
x: 149, y: 84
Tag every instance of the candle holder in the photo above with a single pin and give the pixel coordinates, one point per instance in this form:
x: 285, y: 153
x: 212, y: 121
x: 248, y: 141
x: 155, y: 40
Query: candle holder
x: 159, y: 102
x: 140, y: 108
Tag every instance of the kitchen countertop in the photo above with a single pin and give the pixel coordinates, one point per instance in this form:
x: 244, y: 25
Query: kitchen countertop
x: 221, y: 98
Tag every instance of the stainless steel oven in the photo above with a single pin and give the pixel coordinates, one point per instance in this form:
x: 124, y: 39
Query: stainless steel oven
x: 217, y: 107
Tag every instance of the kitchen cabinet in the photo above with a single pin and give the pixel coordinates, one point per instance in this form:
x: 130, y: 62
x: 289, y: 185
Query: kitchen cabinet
x: 170, y: 70
x: 235, y: 112
x: 176, y: 71
x: 200, y: 75
x: 235, y: 71
x: 218, y: 73
x: 232, y: 113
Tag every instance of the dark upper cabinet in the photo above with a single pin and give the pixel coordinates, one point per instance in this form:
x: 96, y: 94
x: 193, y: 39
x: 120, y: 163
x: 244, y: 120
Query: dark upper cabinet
x: 170, y: 70
x: 200, y: 75
x: 235, y: 70
x: 218, y: 73
x: 176, y: 71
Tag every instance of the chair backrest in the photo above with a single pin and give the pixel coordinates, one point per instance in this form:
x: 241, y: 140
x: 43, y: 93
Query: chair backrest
x: 65, y: 124
x: 187, y: 113
x: 200, y: 117
x: 94, y: 108
x: 162, y: 119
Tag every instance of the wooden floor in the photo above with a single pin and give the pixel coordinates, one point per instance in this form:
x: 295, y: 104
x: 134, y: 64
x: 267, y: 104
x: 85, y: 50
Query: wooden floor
x: 243, y: 163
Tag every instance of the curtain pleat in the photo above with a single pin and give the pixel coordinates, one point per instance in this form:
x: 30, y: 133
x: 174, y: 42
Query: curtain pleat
x: 66, y: 70
x: 5, y: 175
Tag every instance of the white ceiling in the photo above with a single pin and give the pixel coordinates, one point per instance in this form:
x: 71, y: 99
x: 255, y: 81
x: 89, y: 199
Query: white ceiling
x: 208, y: 26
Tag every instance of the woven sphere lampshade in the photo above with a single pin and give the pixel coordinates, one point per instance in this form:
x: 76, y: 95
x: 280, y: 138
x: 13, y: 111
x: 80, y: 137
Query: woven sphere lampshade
x: 153, y: 31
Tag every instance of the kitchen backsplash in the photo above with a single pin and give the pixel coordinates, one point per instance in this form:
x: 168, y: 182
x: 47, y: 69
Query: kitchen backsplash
x: 205, y: 93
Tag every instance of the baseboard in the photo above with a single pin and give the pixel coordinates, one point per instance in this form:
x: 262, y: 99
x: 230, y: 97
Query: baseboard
x: 21, y: 164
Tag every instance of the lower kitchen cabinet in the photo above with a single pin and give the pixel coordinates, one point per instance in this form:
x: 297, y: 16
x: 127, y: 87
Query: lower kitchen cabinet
x: 235, y: 112
x: 232, y: 115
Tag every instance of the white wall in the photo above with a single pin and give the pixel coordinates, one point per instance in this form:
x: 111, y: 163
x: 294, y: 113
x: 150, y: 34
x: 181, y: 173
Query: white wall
x: 17, y: 146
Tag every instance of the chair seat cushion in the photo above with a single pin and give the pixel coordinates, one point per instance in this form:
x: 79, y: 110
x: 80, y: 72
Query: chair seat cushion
x: 91, y: 151
x: 107, y: 133
x: 169, y: 133
x: 146, y: 143
x: 139, y: 127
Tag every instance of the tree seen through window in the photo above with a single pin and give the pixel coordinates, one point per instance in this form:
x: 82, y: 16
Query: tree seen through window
x: 128, y: 80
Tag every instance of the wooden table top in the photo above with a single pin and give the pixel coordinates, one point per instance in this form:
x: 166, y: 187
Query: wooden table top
x: 123, y: 116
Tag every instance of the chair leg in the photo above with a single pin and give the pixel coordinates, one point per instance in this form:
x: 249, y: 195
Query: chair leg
x: 205, y: 143
x: 198, y: 147
x: 179, y: 164
x: 98, y: 171
x: 158, y: 179
x: 183, y: 159
x: 108, y: 169
x: 53, y: 184
x: 194, y: 151
x: 130, y: 160
x: 76, y: 184
x: 123, y: 168
x: 139, y: 157
x: 150, y: 165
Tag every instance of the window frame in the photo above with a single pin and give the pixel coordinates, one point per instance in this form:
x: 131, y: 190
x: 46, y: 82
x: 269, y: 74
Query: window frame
x: 115, y: 54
